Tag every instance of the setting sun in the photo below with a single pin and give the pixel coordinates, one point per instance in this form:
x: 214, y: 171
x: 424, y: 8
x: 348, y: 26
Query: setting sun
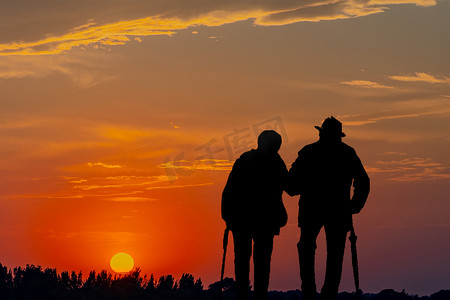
x: 122, y: 263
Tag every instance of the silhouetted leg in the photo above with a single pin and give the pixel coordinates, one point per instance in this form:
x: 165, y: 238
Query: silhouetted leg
x: 306, y: 254
x: 242, y: 252
x: 262, y: 252
x: 336, y: 234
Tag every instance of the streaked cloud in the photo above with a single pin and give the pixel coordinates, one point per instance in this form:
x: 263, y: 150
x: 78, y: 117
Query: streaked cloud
x: 129, y: 182
x: 89, y: 34
x: 66, y: 194
x: 411, y: 169
x: 85, y: 69
x: 359, y: 120
x: 394, y: 153
x: 98, y: 236
x: 179, y: 186
x: 171, y: 18
x: 416, y: 226
x: 416, y: 2
x: 175, y: 125
x: 100, y: 164
x: 366, y: 84
x: 421, y: 77
x: 131, y: 199
x: 203, y: 164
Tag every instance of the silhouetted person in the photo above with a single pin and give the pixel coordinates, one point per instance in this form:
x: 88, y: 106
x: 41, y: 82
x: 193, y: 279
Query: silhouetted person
x: 251, y: 202
x: 323, y: 175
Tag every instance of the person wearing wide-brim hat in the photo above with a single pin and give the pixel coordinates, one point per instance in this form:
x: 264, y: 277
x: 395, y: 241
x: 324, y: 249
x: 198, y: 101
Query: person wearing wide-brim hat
x: 323, y: 175
x: 331, y: 127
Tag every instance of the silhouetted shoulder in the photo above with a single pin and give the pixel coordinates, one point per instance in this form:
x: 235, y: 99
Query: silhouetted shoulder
x: 347, y: 150
x: 249, y: 155
x: 308, y: 148
x: 347, y: 147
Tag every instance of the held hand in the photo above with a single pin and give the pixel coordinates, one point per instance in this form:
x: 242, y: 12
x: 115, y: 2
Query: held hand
x: 355, y: 210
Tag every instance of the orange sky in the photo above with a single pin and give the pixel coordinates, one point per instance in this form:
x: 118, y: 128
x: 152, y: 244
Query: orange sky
x: 120, y: 122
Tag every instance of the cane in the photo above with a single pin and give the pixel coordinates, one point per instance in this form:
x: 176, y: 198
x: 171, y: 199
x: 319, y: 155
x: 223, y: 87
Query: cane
x: 353, y: 239
x: 225, y: 244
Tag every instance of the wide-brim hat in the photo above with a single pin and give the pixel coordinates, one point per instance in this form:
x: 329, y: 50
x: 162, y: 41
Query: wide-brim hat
x: 331, y: 126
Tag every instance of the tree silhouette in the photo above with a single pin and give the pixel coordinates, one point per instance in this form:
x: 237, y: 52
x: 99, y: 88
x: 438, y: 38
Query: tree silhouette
x: 166, y: 283
x: 76, y: 281
x: 35, y: 283
x: 6, y: 282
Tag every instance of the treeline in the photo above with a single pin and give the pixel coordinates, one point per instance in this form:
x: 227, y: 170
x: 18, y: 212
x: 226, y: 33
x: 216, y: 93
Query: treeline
x: 34, y: 282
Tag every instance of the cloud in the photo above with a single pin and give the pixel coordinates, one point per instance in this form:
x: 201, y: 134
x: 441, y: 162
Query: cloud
x: 416, y: 2
x: 359, y: 120
x: 202, y: 164
x: 169, y: 17
x: 125, y: 182
x: 414, y: 226
x: 313, y: 11
x: 175, y: 125
x: 420, y: 77
x: 100, y: 164
x: 394, y: 153
x: 367, y: 84
x: 131, y: 199
x: 411, y: 169
x: 97, y: 236
x: 380, y: 118
x: 178, y: 186
x: 84, y: 69
x: 84, y: 35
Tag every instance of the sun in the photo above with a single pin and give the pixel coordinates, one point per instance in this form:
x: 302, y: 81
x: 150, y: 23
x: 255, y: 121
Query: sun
x: 122, y: 263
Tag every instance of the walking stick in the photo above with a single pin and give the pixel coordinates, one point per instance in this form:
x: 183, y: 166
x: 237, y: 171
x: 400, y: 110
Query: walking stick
x: 353, y: 239
x: 225, y: 244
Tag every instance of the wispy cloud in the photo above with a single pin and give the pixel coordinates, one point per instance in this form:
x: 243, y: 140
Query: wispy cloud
x: 390, y: 117
x: 84, y: 69
x: 100, y: 164
x: 394, y: 153
x: 67, y: 194
x: 129, y: 182
x: 416, y: 2
x: 179, y: 186
x: 366, y: 84
x: 411, y: 169
x: 203, y: 164
x: 131, y: 199
x: 421, y: 77
x: 98, y: 236
x: 359, y: 120
x: 89, y: 34
x: 414, y: 226
x: 171, y: 19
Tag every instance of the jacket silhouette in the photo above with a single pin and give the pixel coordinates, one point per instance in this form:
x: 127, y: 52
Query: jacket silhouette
x: 323, y: 175
x: 253, y: 210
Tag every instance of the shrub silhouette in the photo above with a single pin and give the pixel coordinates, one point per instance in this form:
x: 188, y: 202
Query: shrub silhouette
x: 35, y: 283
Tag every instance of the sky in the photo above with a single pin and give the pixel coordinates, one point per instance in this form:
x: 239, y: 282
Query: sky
x: 120, y: 121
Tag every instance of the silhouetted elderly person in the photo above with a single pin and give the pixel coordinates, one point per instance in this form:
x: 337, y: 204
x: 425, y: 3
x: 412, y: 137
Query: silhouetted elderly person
x: 253, y: 210
x: 323, y: 175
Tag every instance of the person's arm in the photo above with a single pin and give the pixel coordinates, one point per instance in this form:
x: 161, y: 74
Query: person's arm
x: 294, y: 179
x: 361, y: 185
x: 230, y: 194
